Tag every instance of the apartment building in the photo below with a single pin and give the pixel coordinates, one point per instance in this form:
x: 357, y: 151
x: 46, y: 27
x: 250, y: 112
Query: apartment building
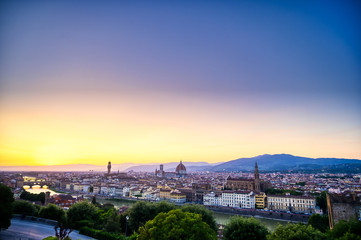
x: 298, y: 204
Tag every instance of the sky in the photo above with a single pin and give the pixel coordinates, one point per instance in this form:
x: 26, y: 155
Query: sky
x: 163, y: 81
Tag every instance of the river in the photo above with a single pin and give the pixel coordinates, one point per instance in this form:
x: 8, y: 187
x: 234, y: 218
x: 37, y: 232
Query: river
x: 40, y: 190
x: 221, y: 218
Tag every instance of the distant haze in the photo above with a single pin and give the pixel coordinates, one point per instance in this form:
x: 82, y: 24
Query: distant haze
x: 265, y: 162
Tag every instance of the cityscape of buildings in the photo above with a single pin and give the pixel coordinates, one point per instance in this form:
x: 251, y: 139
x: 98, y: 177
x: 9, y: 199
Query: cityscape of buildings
x: 227, y: 190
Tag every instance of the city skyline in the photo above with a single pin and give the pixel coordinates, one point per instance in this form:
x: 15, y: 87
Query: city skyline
x: 158, y: 82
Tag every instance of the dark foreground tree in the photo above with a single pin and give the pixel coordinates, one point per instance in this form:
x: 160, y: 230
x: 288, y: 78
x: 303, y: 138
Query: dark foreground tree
x: 52, y: 212
x: 81, y: 211
x: 240, y: 228
x: 24, y: 208
x: 141, y: 212
x: 319, y: 222
x: 33, y: 197
x: 346, y: 230
x: 207, y: 216
x: 296, y: 232
x: 321, y: 201
x: 177, y: 225
x: 6, y: 199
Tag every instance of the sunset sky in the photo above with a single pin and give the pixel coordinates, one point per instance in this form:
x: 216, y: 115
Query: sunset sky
x: 160, y: 81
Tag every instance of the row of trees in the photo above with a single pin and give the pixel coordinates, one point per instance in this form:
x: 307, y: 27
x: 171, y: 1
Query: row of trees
x: 166, y: 221
x: 25, y: 195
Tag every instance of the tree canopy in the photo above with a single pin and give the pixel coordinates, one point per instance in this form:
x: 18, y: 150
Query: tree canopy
x: 319, y: 222
x: 240, y: 228
x: 6, y: 199
x: 33, y: 196
x: 81, y: 211
x: 25, y: 208
x: 344, y: 229
x: 321, y: 201
x: 296, y: 232
x: 141, y: 212
x: 53, y: 212
x: 177, y: 225
x: 207, y: 216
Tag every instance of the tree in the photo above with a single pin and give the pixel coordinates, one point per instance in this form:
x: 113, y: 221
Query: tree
x: 113, y: 222
x: 342, y: 229
x: 244, y: 228
x: 207, y: 216
x: 177, y: 225
x: 6, y: 200
x: 24, y: 208
x: 350, y: 236
x: 81, y: 211
x: 106, y: 207
x: 296, y: 232
x: 33, y: 197
x: 53, y: 212
x: 164, y: 206
x: 94, y: 200
x: 140, y: 213
x: 319, y: 222
x: 321, y: 201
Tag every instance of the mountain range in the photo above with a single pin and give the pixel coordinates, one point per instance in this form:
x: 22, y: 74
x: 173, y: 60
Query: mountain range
x: 281, y: 162
x: 265, y: 162
x: 276, y: 162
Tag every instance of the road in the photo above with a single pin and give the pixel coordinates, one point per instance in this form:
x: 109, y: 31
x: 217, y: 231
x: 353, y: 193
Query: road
x: 29, y: 230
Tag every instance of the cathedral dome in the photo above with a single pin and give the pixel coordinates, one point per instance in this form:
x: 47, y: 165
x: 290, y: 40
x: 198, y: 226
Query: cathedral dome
x: 181, y: 169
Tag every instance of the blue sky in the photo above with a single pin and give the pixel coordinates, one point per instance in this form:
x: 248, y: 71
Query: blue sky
x: 297, y: 62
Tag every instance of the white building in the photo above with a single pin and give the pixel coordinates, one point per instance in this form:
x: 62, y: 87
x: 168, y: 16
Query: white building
x: 78, y: 187
x: 118, y: 192
x: 111, y: 191
x: 212, y: 199
x: 126, y: 192
x: 242, y: 199
x: 86, y: 187
x: 104, y: 190
x: 96, y: 189
x: 301, y: 204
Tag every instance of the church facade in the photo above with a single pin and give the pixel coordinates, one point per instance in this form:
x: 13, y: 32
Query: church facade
x: 255, y: 184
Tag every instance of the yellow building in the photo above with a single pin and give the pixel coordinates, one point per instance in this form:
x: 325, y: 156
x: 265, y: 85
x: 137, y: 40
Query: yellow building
x: 135, y: 193
x: 29, y: 179
x: 164, y: 187
x: 164, y: 194
x: 261, y: 200
x: 172, y: 195
x: 177, y: 196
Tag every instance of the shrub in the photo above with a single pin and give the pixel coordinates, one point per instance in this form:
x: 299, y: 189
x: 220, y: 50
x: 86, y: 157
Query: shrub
x: 100, y: 235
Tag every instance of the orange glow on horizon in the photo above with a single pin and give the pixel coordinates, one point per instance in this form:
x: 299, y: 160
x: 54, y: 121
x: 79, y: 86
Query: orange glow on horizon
x: 81, y: 130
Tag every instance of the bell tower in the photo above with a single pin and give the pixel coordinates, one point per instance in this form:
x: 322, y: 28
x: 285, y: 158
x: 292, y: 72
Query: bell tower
x: 109, y: 167
x: 256, y: 179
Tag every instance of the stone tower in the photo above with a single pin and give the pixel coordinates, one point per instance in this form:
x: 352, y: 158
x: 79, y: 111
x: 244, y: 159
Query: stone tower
x: 109, y: 167
x: 256, y: 179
